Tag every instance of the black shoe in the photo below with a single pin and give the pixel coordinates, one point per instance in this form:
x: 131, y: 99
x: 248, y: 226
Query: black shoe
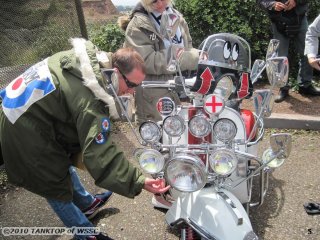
x: 310, y: 90
x: 99, y: 201
x: 312, y: 208
x: 283, y: 94
x: 99, y: 237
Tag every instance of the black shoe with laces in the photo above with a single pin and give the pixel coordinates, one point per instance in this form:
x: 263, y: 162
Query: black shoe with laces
x: 310, y: 90
x: 283, y: 94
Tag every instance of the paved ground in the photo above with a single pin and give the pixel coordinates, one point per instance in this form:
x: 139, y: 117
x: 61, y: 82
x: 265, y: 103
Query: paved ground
x: 296, y: 112
x: 281, y: 217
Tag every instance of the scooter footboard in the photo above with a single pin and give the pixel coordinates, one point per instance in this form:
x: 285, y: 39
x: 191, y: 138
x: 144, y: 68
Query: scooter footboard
x: 214, y: 215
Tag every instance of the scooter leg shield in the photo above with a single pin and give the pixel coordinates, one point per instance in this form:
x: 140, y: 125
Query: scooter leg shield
x: 218, y: 214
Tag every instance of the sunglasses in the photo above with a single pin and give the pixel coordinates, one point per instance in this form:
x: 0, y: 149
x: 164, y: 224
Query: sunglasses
x: 128, y: 83
x: 155, y: 1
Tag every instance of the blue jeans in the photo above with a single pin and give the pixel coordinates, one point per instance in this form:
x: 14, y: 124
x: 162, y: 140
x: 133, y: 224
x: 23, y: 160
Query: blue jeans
x: 305, y: 73
x: 70, y: 212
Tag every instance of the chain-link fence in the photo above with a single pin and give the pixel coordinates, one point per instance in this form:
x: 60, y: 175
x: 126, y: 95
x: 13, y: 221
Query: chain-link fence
x: 31, y: 30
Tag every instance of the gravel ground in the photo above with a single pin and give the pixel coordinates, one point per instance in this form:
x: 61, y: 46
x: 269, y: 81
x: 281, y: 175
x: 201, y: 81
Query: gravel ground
x: 281, y: 217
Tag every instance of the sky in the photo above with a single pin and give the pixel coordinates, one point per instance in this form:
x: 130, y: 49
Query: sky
x: 125, y: 2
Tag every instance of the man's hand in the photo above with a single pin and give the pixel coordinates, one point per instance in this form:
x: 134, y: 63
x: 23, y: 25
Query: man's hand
x: 314, y: 62
x: 155, y: 185
x: 290, y: 4
x: 279, y: 6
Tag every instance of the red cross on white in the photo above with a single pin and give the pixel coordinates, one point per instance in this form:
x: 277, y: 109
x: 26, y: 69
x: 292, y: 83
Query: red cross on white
x: 213, y: 104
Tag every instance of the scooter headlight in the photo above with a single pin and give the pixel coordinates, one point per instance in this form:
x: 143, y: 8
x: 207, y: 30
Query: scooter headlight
x: 224, y: 130
x: 267, y: 155
x: 223, y: 161
x: 150, y: 132
x: 174, y: 126
x: 199, y: 126
x: 150, y: 160
x: 186, y: 173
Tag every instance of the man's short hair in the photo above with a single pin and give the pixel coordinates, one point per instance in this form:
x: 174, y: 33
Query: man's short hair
x: 126, y: 59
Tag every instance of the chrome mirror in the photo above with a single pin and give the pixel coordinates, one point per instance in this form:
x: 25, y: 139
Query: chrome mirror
x: 171, y: 59
x: 169, y: 24
x: 278, y: 71
x: 263, y: 99
x: 110, y: 77
x: 280, y: 150
x: 168, y: 27
x: 257, y: 69
x: 273, y: 47
x: 127, y: 104
x: 281, y: 142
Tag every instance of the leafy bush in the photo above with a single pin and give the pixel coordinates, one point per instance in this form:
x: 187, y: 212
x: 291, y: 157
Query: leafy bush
x: 240, y: 17
x: 108, y: 38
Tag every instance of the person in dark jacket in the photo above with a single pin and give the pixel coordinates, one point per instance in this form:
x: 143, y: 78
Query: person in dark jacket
x: 58, y: 113
x: 289, y: 21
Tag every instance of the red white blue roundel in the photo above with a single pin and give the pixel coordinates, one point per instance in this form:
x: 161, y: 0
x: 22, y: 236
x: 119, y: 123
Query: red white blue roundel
x: 105, y: 124
x: 31, y: 86
x: 213, y: 104
x: 100, y: 138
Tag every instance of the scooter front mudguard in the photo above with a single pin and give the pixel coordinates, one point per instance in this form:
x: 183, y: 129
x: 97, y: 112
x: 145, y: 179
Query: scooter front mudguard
x: 214, y: 215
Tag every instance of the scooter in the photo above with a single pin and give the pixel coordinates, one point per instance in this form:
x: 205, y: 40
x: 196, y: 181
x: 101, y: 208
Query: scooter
x: 207, y: 149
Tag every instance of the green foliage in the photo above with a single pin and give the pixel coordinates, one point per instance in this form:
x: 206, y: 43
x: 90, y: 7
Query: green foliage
x: 108, y: 38
x: 240, y: 17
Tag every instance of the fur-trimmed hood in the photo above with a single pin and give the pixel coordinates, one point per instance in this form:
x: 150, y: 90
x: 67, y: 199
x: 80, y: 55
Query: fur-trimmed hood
x: 86, y: 65
x: 123, y: 21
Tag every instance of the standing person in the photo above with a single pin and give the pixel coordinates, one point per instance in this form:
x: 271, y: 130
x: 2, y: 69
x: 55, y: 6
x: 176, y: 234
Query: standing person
x: 312, y: 43
x: 55, y: 111
x: 289, y: 21
x: 142, y: 33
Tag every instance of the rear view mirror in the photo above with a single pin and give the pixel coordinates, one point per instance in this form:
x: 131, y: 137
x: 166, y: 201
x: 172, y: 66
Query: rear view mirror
x: 277, y: 71
x: 280, y: 150
x: 168, y: 27
x: 109, y: 76
x: 281, y: 142
x: 263, y: 98
x: 171, y: 59
x: 127, y: 104
x: 257, y: 69
x: 169, y: 24
x: 273, y: 47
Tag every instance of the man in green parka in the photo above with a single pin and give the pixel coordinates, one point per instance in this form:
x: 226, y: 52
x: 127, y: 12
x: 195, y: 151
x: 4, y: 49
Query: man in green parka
x: 59, y: 109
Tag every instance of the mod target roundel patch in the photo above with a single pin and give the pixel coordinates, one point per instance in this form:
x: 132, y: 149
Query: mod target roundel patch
x: 105, y: 124
x: 100, y: 138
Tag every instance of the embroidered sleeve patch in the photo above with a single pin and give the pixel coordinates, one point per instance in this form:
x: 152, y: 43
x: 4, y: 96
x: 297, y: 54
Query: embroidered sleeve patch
x: 100, y: 138
x: 31, y: 86
x: 105, y: 124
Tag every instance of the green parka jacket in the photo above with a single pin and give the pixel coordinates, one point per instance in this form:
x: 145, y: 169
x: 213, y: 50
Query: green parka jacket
x: 71, y: 119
